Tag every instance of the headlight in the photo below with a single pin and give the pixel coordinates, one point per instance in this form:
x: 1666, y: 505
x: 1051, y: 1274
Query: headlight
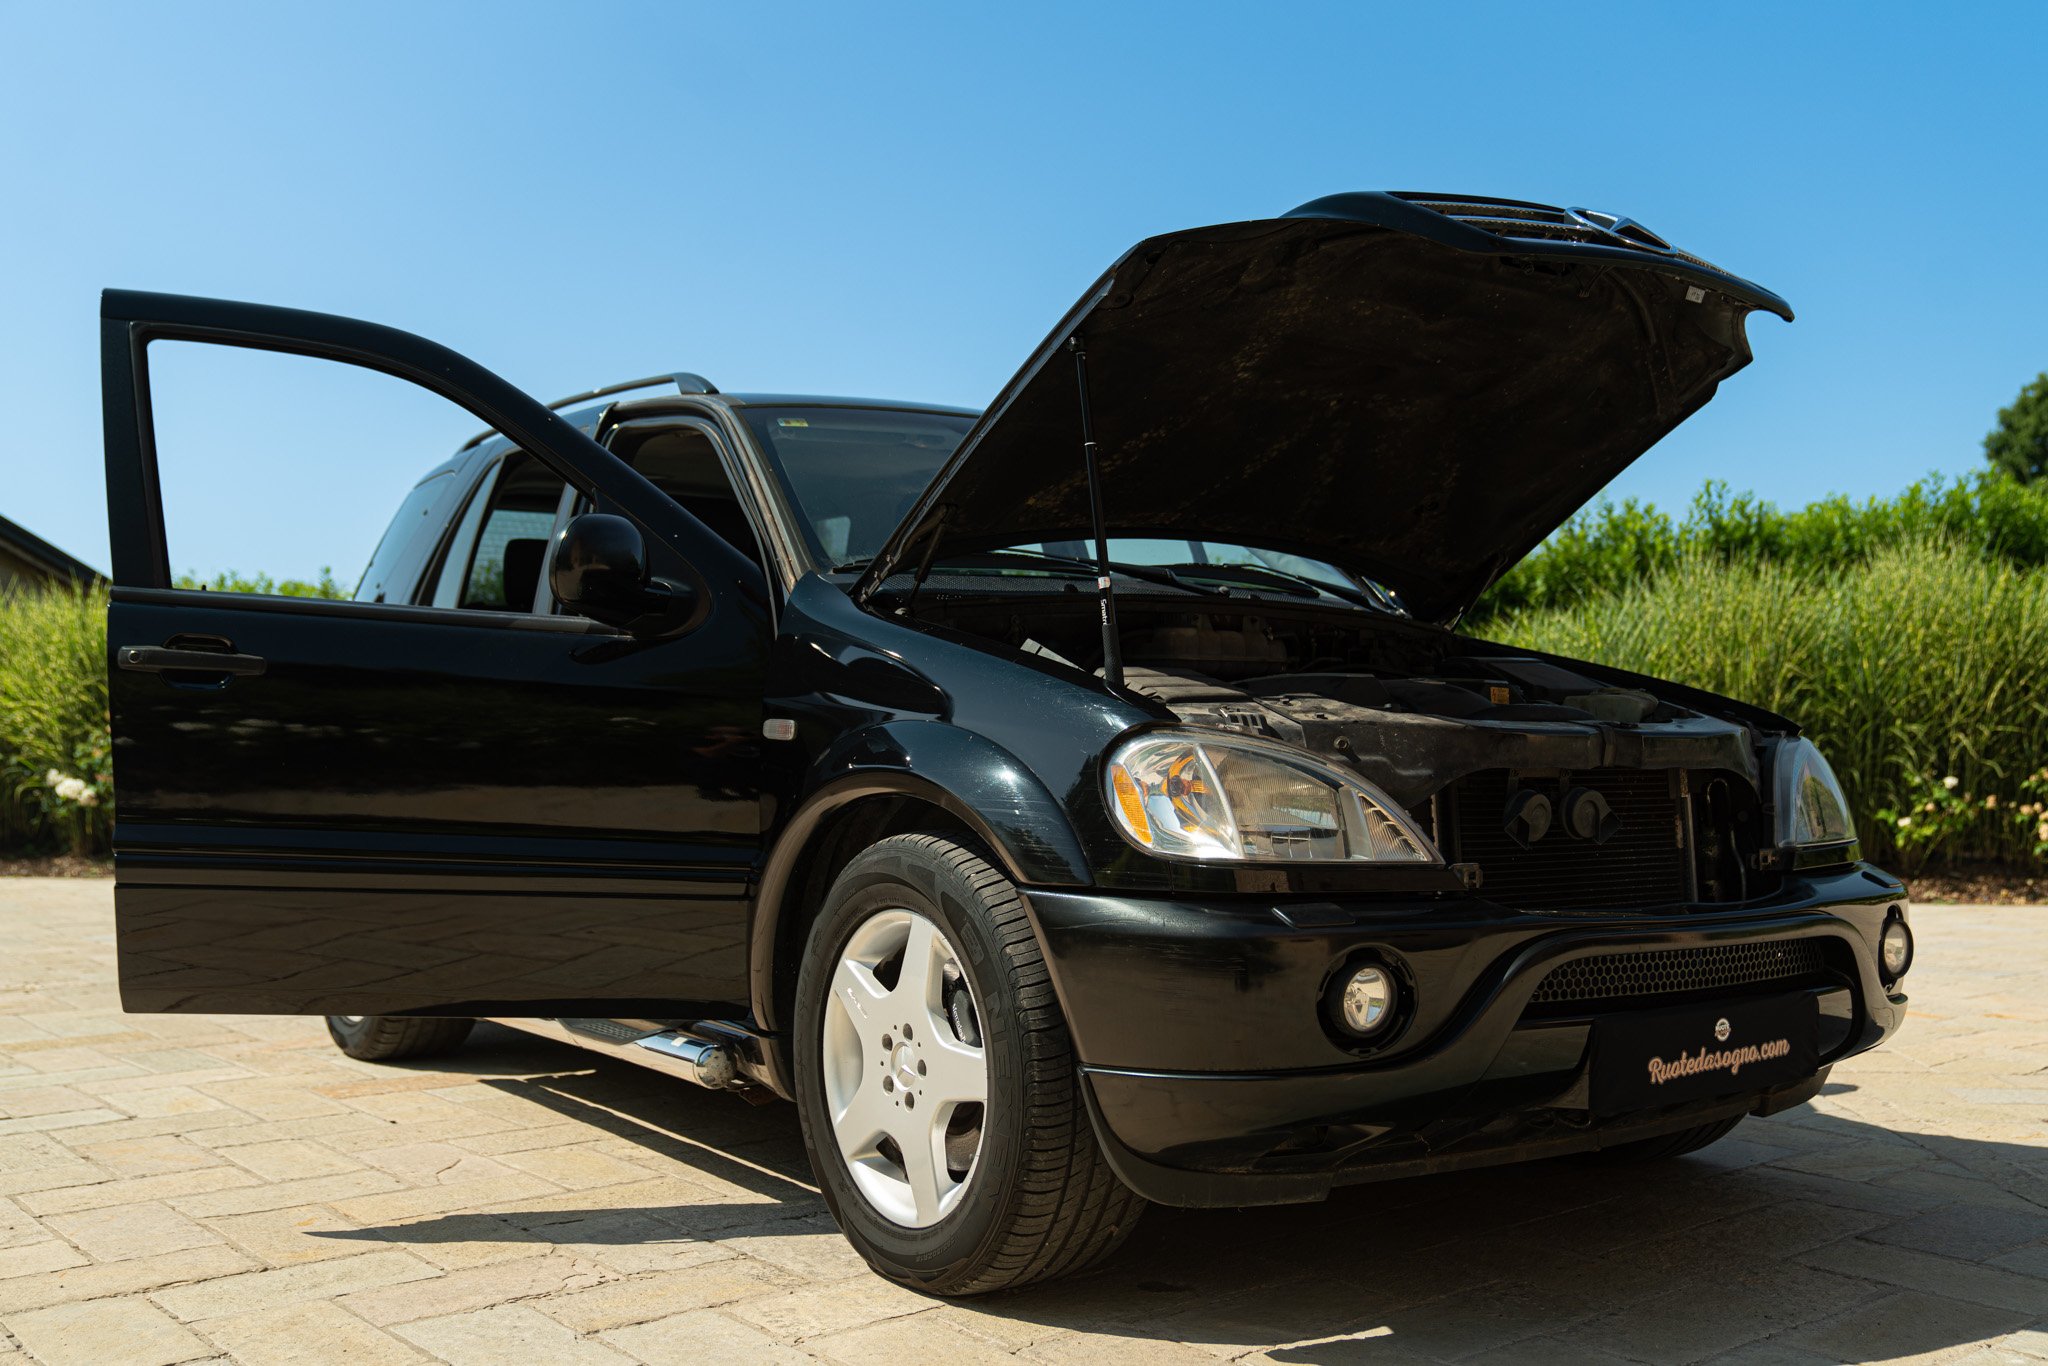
x: 1811, y: 807
x: 1229, y: 797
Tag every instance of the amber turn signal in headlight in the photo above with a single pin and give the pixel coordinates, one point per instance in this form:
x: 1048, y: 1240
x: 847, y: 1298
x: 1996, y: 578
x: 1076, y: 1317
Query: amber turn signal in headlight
x: 1189, y: 795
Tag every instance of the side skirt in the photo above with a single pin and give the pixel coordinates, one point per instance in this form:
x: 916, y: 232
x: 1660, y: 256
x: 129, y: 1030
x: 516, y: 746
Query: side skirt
x: 718, y: 1055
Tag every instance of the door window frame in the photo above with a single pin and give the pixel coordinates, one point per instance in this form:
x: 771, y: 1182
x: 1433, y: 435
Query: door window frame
x: 131, y: 320
x: 783, y: 567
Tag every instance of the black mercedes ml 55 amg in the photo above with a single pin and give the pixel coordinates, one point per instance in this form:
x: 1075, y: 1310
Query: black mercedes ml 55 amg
x: 1078, y: 804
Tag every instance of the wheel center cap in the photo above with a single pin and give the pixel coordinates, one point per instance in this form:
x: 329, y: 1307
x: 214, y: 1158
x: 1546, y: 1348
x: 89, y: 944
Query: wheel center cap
x: 905, y: 1065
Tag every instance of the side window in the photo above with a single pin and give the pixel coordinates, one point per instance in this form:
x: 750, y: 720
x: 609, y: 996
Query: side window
x: 496, y: 560
x: 277, y: 472
x: 685, y: 464
x: 399, y: 558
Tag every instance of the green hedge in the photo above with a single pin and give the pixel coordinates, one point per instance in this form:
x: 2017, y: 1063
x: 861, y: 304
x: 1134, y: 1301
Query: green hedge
x: 55, y: 788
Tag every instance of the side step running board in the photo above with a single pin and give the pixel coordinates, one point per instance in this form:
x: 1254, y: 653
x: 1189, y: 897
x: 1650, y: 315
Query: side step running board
x: 698, y: 1061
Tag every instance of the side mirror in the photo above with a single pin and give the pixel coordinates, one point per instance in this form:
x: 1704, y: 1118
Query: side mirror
x: 599, y: 570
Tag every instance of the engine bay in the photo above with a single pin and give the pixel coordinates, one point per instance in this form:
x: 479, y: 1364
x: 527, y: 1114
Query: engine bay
x: 1564, y: 790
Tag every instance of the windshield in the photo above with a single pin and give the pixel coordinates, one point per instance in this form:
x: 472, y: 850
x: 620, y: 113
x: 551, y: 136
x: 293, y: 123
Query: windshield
x: 853, y: 473
x: 1181, y: 554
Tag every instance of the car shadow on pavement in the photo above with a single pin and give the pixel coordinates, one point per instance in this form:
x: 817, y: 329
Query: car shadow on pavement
x: 1823, y: 1234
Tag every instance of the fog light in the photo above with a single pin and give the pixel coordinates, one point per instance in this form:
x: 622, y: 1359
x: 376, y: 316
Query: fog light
x: 1367, y: 1003
x: 1896, y: 949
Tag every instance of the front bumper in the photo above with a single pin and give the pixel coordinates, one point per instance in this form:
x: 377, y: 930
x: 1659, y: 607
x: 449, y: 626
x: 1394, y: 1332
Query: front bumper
x: 1215, y: 1079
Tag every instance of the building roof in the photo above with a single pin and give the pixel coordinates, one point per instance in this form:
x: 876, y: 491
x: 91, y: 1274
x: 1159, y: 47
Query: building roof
x: 26, y: 545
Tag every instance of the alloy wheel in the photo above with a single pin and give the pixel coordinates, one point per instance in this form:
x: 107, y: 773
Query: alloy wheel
x: 906, y: 1081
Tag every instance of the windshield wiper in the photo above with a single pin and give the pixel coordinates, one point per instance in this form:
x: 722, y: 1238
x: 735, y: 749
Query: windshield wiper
x: 1265, y: 574
x: 1035, y: 559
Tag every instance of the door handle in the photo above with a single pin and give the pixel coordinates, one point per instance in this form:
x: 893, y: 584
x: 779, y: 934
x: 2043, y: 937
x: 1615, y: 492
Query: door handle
x: 159, y: 659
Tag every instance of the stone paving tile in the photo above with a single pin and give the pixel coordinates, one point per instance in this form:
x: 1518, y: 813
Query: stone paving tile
x: 167, y: 1187
x: 137, y: 1276
x: 106, y: 1333
x: 198, y: 1188
x: 1904, y: 1327
x: 119, y: 1232
x: 730, y: 1281
x: 307, y: 1334
x: 288, y: 1159
x: 817, y: 1310
x: 508, y: 1332
x: 286, y: 1237
x: 33, y: 1259
x: 894, y: 1341
x: 217, y: 1298
x: 1970, y: 1233
x: 702, y: 1337
x: 474, y: 1288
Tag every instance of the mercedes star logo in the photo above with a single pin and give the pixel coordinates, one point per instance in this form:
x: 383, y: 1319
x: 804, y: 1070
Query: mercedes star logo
x: 1626, y: 231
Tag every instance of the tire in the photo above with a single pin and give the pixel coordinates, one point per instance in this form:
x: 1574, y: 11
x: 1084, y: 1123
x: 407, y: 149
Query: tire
x: 1666, y: 1146
x: 1038, y: 1199
x: 387, y: 1038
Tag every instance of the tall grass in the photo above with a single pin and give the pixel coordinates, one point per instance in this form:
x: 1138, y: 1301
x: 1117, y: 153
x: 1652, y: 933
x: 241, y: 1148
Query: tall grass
x: 1611, y: 546
x: 1919, y: 661
x: 53, y: 716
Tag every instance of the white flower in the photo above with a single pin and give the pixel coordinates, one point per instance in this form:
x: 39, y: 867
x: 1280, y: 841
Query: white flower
x: 1905, y: 821
x: 2042, y: 833
x: 52, y: 778
x: 72, y: 789
x: 88, y: 798
x: 1950, y: 782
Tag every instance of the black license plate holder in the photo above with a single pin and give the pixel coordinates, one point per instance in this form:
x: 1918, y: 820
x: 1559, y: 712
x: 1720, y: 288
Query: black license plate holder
x: 1650, y: 1059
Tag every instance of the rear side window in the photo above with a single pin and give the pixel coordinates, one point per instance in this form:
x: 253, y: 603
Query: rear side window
x: 402, y: 545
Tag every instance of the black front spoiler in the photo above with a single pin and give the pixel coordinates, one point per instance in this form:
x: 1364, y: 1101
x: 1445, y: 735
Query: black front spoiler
x: 1215, y: 1077
x: 1193, y: 1189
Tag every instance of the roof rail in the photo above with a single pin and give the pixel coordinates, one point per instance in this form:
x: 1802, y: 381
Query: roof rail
x: 684, y: 381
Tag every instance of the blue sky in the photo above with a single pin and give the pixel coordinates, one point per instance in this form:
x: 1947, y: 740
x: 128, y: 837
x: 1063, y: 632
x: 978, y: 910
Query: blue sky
x: 901, y: 200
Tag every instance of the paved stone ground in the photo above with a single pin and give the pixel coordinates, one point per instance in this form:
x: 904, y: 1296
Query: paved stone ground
x: 188, y: 1188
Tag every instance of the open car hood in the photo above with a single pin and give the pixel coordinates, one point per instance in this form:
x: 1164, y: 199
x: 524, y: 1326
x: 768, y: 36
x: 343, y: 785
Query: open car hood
x: 1419, y: 388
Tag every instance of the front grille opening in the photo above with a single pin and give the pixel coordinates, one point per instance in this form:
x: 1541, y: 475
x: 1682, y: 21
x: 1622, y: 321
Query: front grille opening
x: 1646, y: 862
x: 1674, y: 972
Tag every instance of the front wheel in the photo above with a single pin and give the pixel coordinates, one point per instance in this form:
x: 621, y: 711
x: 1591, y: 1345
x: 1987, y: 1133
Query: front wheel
x: 941, y: 1104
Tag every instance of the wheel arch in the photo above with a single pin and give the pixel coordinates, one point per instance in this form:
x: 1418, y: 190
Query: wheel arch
x: 889, y: 780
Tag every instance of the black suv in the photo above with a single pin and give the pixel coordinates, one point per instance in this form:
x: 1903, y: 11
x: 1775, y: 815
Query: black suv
x: 1082, y: 803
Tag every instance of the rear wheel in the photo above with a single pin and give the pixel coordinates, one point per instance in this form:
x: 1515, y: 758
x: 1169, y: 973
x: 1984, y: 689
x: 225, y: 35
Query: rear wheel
x: 1671, y: 1145
x: 941, y: 1104
x: 387, y: 1038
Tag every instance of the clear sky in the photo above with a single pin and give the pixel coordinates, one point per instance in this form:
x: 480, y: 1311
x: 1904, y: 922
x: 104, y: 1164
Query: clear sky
x: 900, y: 200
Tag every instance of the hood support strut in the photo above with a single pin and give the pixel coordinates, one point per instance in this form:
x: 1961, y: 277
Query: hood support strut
x: 1112, y: 649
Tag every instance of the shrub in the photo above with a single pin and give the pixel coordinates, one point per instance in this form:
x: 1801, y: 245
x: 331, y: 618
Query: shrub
x: 54, y: 780
x: 229, y: 581
x: 1919, y: 661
